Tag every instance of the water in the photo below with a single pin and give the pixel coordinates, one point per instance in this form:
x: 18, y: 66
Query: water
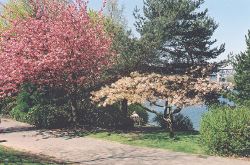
x: 194, y: 113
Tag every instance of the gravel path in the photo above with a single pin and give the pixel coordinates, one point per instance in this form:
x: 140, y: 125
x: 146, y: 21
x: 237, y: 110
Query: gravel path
x: 91, y: 151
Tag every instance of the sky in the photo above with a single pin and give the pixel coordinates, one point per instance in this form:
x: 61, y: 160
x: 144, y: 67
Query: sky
x: 233, y: 17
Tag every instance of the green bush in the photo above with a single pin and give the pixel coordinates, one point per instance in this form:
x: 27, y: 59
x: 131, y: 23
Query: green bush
x: 17, y: 114
x: 49, y: 116
x: 6, y: 105
x: 49, y: 108
x: 40, y: 108
x: 181, y: 122
x: 226, y: 131
x: 107, y: 117
x: 22, y: 105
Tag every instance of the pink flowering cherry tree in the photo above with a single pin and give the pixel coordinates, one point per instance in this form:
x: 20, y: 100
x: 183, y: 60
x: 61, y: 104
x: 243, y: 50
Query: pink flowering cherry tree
x: 59, y: 45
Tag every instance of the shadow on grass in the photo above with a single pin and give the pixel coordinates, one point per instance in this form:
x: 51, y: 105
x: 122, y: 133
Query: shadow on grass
x: 10, y: 156
x: 70, y: 133
x: 184, y: 141
x: 17, y: 129
x: 164, y: 135
x: 63, y: 133
x: 147, y: 133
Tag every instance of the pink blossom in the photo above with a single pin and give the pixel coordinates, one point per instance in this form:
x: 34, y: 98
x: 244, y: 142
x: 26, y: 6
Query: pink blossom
x: 61, y: 45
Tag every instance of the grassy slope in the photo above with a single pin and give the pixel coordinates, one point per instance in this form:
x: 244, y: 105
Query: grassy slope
x: 15, y: 157
x: 187, y: 142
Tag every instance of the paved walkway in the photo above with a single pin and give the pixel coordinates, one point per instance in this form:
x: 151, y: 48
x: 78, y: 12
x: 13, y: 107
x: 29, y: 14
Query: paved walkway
x: 91, y: 151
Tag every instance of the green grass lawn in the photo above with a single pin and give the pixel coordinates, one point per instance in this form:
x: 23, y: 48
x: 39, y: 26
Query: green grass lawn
x: 11, y: 157
x: 187, y: 142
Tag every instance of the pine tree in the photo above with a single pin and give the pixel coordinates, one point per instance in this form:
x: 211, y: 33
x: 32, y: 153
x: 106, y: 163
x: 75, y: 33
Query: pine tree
x: 242, y: 67
x: 129, y: 48
x: 180, y: 32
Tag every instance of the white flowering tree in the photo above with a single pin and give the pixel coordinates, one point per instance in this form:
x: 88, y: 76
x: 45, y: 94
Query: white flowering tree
x: 177, y: 90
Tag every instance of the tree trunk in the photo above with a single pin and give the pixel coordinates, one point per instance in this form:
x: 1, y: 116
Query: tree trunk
x: 171, y: 128
x: 73, y: 103
x: 124, y: 108
x: 168, y: 117
x: 125, y: 121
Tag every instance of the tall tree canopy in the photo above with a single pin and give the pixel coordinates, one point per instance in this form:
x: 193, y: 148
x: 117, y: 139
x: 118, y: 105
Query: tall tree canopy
x: 59, y: 46
x: 179, y: 30
x: 242, y: 68
x: 129, y: 48
x: 115, y: 12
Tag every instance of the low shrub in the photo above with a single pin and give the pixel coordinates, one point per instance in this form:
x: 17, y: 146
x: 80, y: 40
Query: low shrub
x: 22, y: 105
x: 18, y: 114
x: 49, y: 116
x: 50, y: 108
x: 107, y: 117
x: 6, y: 105
x: 40, y: 108
x: 226, y: 131
x: 181, y: 122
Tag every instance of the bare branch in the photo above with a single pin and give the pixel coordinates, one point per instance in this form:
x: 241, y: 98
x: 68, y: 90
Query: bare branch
x: 149, y: 110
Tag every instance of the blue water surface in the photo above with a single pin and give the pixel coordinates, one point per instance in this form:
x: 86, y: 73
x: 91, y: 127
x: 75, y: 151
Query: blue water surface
x: 194, y: 113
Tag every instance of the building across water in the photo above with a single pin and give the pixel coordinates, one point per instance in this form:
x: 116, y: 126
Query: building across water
x: 225, y: 72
